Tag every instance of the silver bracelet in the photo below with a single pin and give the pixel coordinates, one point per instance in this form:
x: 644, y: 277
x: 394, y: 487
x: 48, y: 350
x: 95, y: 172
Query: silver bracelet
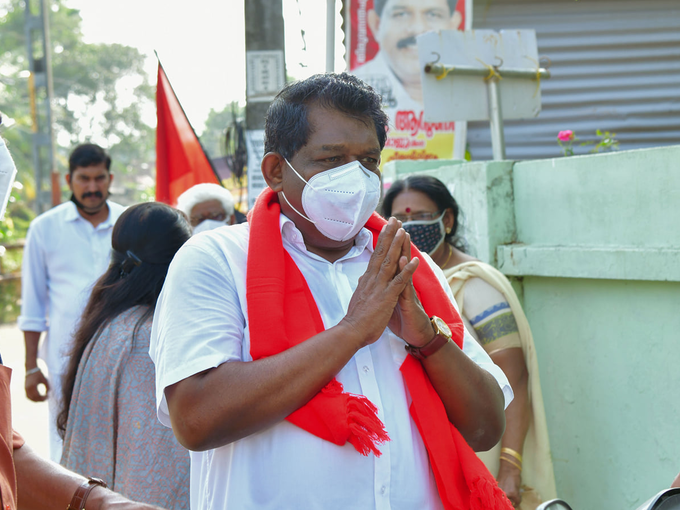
x: 32, y: 371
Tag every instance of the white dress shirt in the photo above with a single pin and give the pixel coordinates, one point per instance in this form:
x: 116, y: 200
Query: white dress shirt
x: 63, y: 257
x: 201, y: 321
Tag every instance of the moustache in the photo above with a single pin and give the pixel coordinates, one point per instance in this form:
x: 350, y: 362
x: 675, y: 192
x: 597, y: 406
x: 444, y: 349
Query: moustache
x: 406, y: 42
x: 97, y: 194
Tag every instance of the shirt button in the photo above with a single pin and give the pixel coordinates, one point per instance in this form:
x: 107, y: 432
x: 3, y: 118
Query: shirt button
x: 383, y: 489
x: 366, y: 369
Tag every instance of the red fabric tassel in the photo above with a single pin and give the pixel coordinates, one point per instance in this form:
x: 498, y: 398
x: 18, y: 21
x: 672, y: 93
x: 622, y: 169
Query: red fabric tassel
x: 365, y: 428
x: 486, y: 494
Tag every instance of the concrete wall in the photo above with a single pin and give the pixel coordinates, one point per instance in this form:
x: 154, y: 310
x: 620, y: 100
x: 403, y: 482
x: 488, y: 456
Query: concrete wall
x: 593, y: 246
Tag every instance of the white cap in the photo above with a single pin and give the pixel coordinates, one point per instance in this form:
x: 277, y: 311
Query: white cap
x: 202, y: 193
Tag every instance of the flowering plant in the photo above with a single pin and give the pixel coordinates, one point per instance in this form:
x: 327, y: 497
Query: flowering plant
x: 566, y: 140
x: 607, y: 142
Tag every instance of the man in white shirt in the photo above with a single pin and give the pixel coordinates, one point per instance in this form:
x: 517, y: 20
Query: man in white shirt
x: 67, y: 250
x: 242, y: 412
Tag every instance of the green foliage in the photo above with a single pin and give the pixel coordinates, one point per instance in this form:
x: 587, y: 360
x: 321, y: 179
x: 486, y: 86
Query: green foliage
x: 12, y: 231
x: 101, y: 93
x: 607, y: 143
x: 213, y: 137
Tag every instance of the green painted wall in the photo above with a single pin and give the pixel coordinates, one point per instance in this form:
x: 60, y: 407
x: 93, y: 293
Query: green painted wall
x: 609, y: 358
x: 592, y: 244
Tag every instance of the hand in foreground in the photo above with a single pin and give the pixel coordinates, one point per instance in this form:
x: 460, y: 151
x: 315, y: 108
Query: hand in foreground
x: 409, y: 320
x: 379, y: 289
x: 510, y: 480
x: 32, y: 385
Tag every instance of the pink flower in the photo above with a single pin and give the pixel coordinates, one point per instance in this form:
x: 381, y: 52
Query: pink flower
x: 565, y: 136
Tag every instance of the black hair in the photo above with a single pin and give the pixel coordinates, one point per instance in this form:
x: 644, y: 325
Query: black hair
x: 379, y: 5
x: 436, y: 191
x: 88, y: 154
x: 287, y: 128
x: 145, y: 239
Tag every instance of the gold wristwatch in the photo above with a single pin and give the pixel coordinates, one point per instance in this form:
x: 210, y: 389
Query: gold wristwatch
x: 442, y: 337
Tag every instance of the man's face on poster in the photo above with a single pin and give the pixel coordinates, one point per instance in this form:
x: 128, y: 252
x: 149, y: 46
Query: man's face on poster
x: 400, y: 22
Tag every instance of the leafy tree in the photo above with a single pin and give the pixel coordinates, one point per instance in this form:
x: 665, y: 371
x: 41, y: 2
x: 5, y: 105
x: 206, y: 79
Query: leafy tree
x: 213, y: 137
x: 100, y: 94
x: 213, y: 140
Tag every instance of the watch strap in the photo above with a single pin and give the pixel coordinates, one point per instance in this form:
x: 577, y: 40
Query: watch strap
x: 82, y: 492
x: 440, y: 340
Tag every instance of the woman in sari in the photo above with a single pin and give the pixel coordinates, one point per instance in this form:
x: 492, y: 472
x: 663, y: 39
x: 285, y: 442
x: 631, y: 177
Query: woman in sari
x: 108, y: 417
x: 492, y: 313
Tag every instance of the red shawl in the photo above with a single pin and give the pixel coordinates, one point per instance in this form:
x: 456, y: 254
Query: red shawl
x: 276, y: 289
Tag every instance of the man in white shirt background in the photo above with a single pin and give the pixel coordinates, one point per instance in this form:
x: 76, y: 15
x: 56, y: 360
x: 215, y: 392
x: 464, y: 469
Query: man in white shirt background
x: 236, y: 409
x: 67, y: 250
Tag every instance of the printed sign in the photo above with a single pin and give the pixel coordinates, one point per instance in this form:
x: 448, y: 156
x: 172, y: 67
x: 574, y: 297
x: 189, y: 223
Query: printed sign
x: 265, y: 74
x: 255, y: 148
x: 383, y: 52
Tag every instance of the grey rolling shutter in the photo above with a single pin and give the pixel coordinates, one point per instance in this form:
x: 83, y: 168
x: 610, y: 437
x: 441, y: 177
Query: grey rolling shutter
x: 615, y: 66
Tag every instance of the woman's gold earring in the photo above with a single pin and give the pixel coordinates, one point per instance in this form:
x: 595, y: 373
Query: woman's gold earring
x: 448, y: 231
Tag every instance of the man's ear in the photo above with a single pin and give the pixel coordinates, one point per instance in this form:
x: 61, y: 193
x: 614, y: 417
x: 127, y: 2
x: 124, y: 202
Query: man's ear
x: 68, y: 179
x: 110, y: 179
x: 373, y: 23
x: 272, y: 170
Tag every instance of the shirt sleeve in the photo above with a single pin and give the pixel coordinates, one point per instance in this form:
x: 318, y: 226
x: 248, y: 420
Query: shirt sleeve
x: 34, y: 291
x: 198, y: 322
x: 470, y: 346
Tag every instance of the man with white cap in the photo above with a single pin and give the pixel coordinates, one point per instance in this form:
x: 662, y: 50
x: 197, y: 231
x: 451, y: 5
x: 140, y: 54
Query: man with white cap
x: 207, y: 206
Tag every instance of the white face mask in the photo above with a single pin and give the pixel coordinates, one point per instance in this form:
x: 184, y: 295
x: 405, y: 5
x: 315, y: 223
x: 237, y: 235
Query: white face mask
x: 206, y: 225
x: 339, y: 201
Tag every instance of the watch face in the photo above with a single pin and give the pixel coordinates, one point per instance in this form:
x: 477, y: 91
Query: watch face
x: 442, y: 326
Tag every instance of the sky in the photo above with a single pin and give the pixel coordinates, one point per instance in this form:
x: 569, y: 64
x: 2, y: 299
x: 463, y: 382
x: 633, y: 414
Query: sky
x: 201, y: 43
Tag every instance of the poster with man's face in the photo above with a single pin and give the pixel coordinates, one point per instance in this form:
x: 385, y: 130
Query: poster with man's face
x: 383, y: 53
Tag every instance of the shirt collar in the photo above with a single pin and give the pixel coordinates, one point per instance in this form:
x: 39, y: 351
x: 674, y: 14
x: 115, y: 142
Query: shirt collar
x: 291, y: 234
x: 72, y: 214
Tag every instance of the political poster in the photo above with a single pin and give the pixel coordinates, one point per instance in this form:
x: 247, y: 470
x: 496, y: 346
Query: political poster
x: 382, y: 51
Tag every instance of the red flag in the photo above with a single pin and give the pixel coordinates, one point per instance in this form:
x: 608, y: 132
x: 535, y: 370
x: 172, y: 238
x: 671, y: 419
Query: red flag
x: 180, y: 159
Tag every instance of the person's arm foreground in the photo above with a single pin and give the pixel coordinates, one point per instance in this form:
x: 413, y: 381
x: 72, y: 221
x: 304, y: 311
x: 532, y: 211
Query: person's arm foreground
x: 236, y: 399
x: 44, y: 485
x: 676, y: 482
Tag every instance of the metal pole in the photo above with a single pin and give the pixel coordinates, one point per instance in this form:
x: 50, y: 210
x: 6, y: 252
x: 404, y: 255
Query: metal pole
x: 41, y: 93
x: 505, y: 72
x: 330, y: 36
x: 495, y: 119
x: 47, y: 52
